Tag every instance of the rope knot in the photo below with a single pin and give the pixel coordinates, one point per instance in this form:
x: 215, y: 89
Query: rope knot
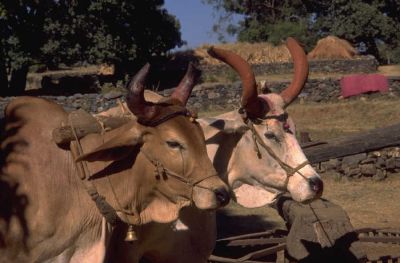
x: 159, y: 171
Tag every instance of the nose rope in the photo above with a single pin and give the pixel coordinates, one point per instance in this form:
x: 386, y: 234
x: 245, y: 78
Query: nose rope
x: 290, y: 171
x: 161, y: 171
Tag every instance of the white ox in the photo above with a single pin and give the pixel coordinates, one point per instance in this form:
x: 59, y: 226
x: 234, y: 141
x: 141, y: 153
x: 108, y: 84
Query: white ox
x: 254, y: 151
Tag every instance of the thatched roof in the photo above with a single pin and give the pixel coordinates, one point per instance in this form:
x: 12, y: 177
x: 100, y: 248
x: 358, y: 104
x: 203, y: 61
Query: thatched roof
x: 332, y: 47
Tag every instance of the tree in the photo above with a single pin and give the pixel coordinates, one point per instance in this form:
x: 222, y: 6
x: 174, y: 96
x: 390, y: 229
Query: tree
x: 365, y: 23
x: 20, y: 36
x: 265, y: 19
x: 54, y: 32
x: 109, y: 30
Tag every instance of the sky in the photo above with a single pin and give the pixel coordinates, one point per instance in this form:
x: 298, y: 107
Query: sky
x: 196, y: 21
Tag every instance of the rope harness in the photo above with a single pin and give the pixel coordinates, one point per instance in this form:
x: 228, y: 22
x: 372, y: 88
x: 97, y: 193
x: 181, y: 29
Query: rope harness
x: 160, y: 172
x: 290, y: 171
x: 108, y: 212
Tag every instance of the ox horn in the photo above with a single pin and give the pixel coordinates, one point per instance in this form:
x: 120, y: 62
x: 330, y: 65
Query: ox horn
x: 254, y: 106
x: 135, y: 98
x: 300, y: 71
x: 182, y: 92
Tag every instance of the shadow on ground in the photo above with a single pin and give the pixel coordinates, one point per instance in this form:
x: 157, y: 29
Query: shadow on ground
x: 229, y: 224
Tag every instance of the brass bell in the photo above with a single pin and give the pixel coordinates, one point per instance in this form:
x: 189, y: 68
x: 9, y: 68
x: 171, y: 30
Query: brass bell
x: 130, y: 234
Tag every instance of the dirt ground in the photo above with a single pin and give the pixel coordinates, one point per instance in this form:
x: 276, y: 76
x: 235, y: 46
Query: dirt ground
x: 369, y: 204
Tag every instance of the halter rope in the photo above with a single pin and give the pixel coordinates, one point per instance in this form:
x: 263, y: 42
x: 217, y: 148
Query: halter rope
x: 290, y: 171
x: 109, y: 213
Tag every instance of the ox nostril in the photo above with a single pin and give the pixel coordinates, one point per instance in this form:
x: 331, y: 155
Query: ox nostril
x: 222, y: 196
x: 316, y: 184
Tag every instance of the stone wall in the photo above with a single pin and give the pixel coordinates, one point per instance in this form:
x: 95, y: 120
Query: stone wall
x: 365, y: 64
x: 92, y: 103
x: 376, y: 165
x: 219, y: 96
x: 323, y: 90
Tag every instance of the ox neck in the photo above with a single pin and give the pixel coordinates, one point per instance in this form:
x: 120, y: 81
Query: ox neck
x: 120, y: 188
x: 220, y: 147
x: 103, y: 190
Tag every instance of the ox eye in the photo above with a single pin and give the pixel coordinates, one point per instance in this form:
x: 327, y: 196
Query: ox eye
x: 271, y: 136
x: 174, y: 145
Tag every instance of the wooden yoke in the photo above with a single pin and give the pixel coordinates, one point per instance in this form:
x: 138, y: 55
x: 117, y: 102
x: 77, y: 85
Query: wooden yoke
x: 84, y: 124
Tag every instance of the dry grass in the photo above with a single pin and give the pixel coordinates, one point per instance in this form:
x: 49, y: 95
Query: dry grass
x: 324, y: 121
x: 254, y: 53
x: 330, y: 47
x: 389, y: 70
x: 328, y: 120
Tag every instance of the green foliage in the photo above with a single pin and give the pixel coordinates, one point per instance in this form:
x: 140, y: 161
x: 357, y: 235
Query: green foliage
x: 389, y: 55
x: 116, y: 31
x: 51, y: 32
x: 365, y: 23
x: 276, y: 33
x: 359, y: 22
x: 263, y: 20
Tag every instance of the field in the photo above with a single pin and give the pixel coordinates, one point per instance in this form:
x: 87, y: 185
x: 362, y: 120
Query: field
x: 368, y: 203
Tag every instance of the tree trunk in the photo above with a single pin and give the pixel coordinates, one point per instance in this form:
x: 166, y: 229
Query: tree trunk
x: 3, y: 78
x: 18, y: 80
x: 373, y: 49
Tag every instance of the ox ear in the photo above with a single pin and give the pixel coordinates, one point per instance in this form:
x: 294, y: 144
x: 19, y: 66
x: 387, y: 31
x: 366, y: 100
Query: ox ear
x: 116, y: 148
x: 225, y: 126
x: 152, y: 96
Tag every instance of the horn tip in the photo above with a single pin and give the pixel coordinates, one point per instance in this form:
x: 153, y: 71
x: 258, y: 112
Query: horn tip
x: 146, y: 67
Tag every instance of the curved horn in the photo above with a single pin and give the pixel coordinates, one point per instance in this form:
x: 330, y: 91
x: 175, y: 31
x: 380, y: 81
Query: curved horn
x: 254, y: 106
x: 183, y: 90
x: 300, y: 71
x: 135, y: 98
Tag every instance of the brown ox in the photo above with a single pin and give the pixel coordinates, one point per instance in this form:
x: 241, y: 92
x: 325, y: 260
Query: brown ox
x: 255, y: 174
x: 147, y: 170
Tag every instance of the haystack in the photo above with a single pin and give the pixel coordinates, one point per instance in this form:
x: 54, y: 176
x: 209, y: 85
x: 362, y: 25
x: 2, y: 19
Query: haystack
x: 332, y: 47
x: 254, y: 53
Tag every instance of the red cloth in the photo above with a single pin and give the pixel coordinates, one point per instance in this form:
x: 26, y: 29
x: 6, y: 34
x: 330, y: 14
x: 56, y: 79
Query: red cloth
x: 361, y: 83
